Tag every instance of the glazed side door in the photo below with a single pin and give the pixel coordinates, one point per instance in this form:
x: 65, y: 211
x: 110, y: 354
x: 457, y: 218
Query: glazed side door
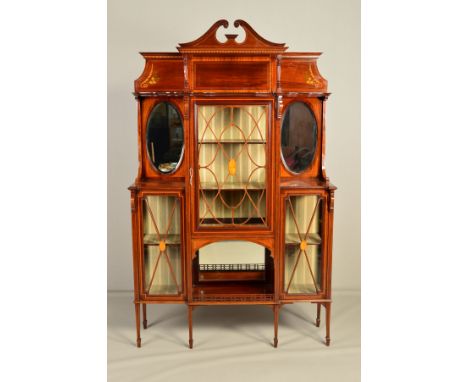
x: 304, y: 260
x: 161, y: 238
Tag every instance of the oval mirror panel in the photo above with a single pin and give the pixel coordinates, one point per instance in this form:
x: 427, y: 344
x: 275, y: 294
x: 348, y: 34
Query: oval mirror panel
x: 165, y: 137
x: 298, y: 137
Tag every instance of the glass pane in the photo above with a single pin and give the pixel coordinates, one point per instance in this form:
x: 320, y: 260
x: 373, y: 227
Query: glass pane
x: 298, y: 137
x: 165, y: 137
x: 303, y: 245
x: 162, y: 251
x: 232, y: 165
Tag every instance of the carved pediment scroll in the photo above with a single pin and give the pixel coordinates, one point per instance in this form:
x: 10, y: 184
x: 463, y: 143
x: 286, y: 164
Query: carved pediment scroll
x: 253, y: 42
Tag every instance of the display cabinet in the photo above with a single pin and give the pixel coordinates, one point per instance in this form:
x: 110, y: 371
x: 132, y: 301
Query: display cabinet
x: 231, y: 204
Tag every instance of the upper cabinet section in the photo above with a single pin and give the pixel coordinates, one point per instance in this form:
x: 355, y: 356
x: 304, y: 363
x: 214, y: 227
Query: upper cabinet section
x: 230, y: 69
x: 243, y: 62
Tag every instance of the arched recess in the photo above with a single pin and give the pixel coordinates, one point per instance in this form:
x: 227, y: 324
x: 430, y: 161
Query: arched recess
x: 240, y: 264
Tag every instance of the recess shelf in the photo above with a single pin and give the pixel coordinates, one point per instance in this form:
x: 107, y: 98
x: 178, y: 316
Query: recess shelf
x: 231, y: 272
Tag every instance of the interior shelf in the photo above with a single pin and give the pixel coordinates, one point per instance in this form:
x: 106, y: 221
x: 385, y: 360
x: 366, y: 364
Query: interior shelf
x: 295, y: 239
x: 232, y: 221
x: 152, y: 239
x: 233, y: 141
x: 231, y: 272
x: 234, y: 186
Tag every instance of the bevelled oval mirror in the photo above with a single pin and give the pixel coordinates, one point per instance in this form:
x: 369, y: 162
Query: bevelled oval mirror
x: 298, y: 137
x: 165, y: 138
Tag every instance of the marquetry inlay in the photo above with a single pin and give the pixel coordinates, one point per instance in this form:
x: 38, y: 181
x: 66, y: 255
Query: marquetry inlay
x: 152, y: 79
x: 310, y: 79
x: 232, y: 167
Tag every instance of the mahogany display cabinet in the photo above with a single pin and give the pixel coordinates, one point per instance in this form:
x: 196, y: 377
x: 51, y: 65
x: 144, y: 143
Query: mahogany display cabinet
x: 231, y: 204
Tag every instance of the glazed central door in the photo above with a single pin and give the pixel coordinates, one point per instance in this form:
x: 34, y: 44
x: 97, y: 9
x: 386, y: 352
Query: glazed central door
x: 232, y: 159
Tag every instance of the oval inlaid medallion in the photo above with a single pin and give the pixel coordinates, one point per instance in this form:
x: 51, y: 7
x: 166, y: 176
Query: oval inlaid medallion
x: 303, y: 245
x: 232, y: 167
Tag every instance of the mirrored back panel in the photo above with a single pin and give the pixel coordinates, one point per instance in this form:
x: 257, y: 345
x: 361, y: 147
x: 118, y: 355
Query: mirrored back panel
x: 165, y: 138
x: 298, y: 137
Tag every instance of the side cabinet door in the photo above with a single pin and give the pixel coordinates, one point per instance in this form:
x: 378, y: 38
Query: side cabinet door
x: 303, y: 255
x: 162, y: 254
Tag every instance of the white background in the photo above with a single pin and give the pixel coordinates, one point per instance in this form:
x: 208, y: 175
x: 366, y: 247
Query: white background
x: 53, y: 205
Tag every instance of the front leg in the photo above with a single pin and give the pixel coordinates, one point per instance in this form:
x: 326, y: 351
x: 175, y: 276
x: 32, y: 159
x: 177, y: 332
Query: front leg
x: 137, y: 314
x: 145, y: 323
x: 276, y: 313
x: 328, y: 308
x: 190, y: 308
x: 317, y: 320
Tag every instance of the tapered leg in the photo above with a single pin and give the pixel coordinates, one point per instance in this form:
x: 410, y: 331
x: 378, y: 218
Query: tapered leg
x: 145, y: 323
x: 137, y: 314
x: 317, y: 321
x: 190, y: 327
x: 276, y: 313
x: 328, y: 308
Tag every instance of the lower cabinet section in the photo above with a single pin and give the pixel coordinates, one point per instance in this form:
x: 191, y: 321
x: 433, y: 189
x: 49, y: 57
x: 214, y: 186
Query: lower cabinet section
x: 173, y: 265
x: 234, y: 269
